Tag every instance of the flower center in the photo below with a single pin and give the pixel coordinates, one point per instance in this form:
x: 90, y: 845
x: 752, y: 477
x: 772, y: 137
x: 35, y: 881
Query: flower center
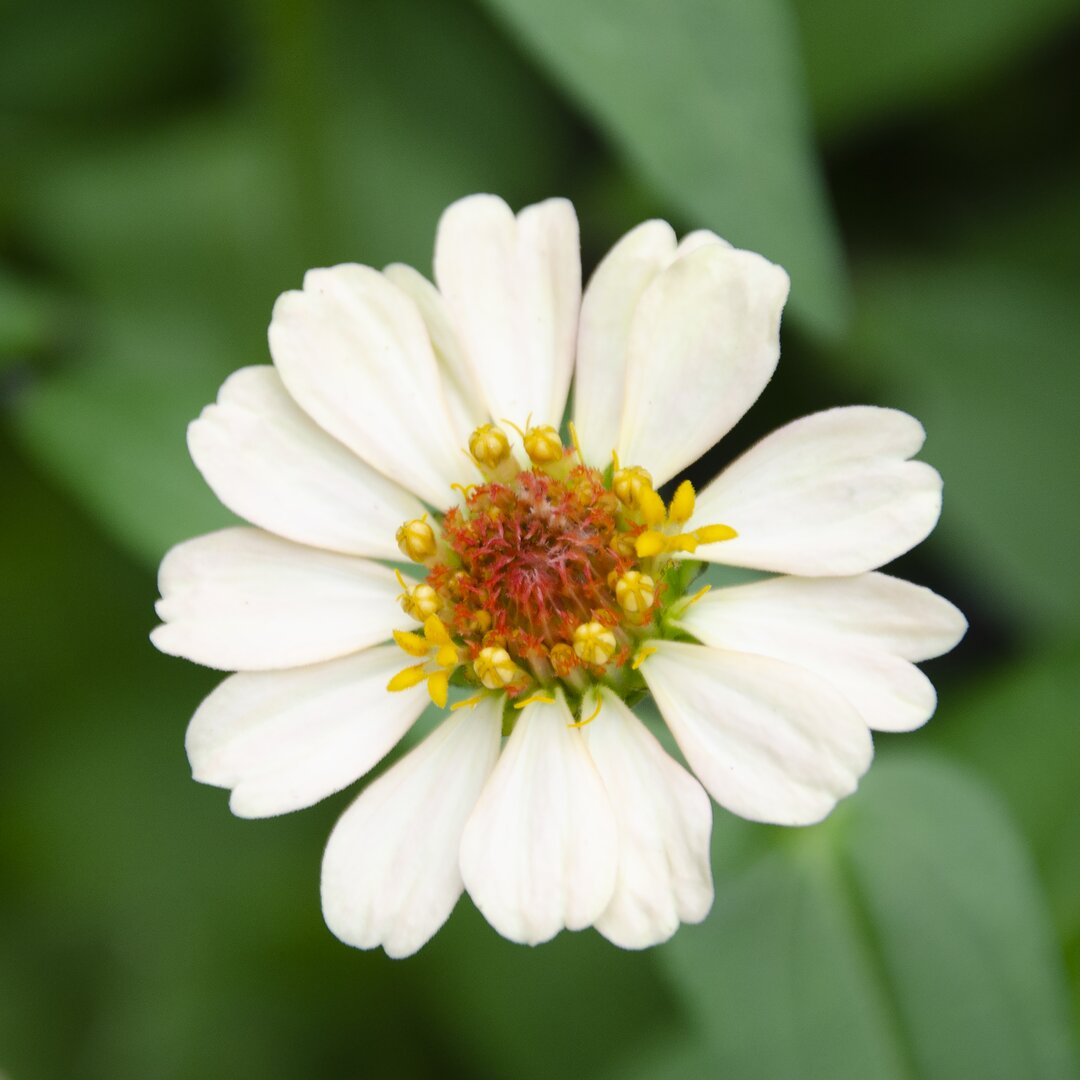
x: 556, y: 572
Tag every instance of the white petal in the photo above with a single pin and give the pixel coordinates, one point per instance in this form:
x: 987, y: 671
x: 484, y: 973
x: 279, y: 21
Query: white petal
x: 241, y: 599
x: 390, y: 874
x: 354, y: 352
x: 703, y: 343
x: 832, y: 494
x: 283, y: 740
x: 267, y: 461
x: 513, y: 289
x: 463, y: 398
x: 858, y: 633
x: 539, y: 850
x: 770, y: 741
x: 664, y: 819
x: 606, y: 312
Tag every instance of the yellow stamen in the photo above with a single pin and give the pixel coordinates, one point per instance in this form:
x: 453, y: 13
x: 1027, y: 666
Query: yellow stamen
x: 468, y: 703
x: 416, y: 539
x: 594, y: 643
x: 412, y: 643
x: 438, y: 686
x: 697, y: 596
x: 592, y: 717
x: 577, y: 443
x: 642, y: 656
x: 649, y: 543
x: 407, y: 677
x: 681, y: 507
x: 545, y: 699
x: 465, y: 489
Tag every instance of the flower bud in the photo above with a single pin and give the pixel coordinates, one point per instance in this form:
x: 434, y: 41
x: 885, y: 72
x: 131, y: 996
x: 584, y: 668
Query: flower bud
x: 416, y: 539
x: 420, y: 601
x: 594, y: 643
x: 629, y: 483
x: 494, y: 668
x: 635, y: 592
x: 543, y: 446
x: 489, y: 445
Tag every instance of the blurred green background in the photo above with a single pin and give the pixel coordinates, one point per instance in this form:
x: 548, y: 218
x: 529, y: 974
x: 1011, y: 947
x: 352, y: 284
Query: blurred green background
x: 167, y: 169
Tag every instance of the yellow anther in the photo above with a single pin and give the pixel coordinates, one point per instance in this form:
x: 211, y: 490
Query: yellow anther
x: 635, y: 592
x: 412, y: 643
x: 418, y: 601
x: 642, y: 656
x: 542, y: 698
x: 416, y: 539
x: 649, y: 543
x: 594, y: 643
x: 438, y: 686
x: 489, y: 445
x: 543, y: 445
x: 713, y: 534
x: 681, y: 507
x: 407, y: 677
x: 435, y: 631
x: 494, y: 668
x: 589, y: 719
x: 629, y: 483
x: 652, y: 508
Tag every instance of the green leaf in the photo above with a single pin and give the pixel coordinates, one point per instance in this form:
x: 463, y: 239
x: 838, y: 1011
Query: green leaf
x: 180, y: 240
x: 981, y: 350
x: 865, y: 60
x: 904, y: 938
x: 705, y: 100
x: 1020, y: 729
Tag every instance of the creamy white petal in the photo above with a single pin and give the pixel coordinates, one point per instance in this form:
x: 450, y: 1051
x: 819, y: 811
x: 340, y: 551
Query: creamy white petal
x: 770, y: 741
x: 539, y: 851
x: 873, y: 609
x: 832, y: 494
x: 244, y: 600
x: 463, y: 398
x: 664, y: 820
x: 858, y: 633
x: 513, y: 289
x: 390, y: 874
x: 269, y: 462
x: 354, y: 352
x: 606, y: 312
x: 282, y: 740
x: 704, y: 341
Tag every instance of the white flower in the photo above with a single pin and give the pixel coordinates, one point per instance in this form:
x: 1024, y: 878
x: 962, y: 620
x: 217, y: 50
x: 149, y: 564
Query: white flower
x: 552, y: 581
